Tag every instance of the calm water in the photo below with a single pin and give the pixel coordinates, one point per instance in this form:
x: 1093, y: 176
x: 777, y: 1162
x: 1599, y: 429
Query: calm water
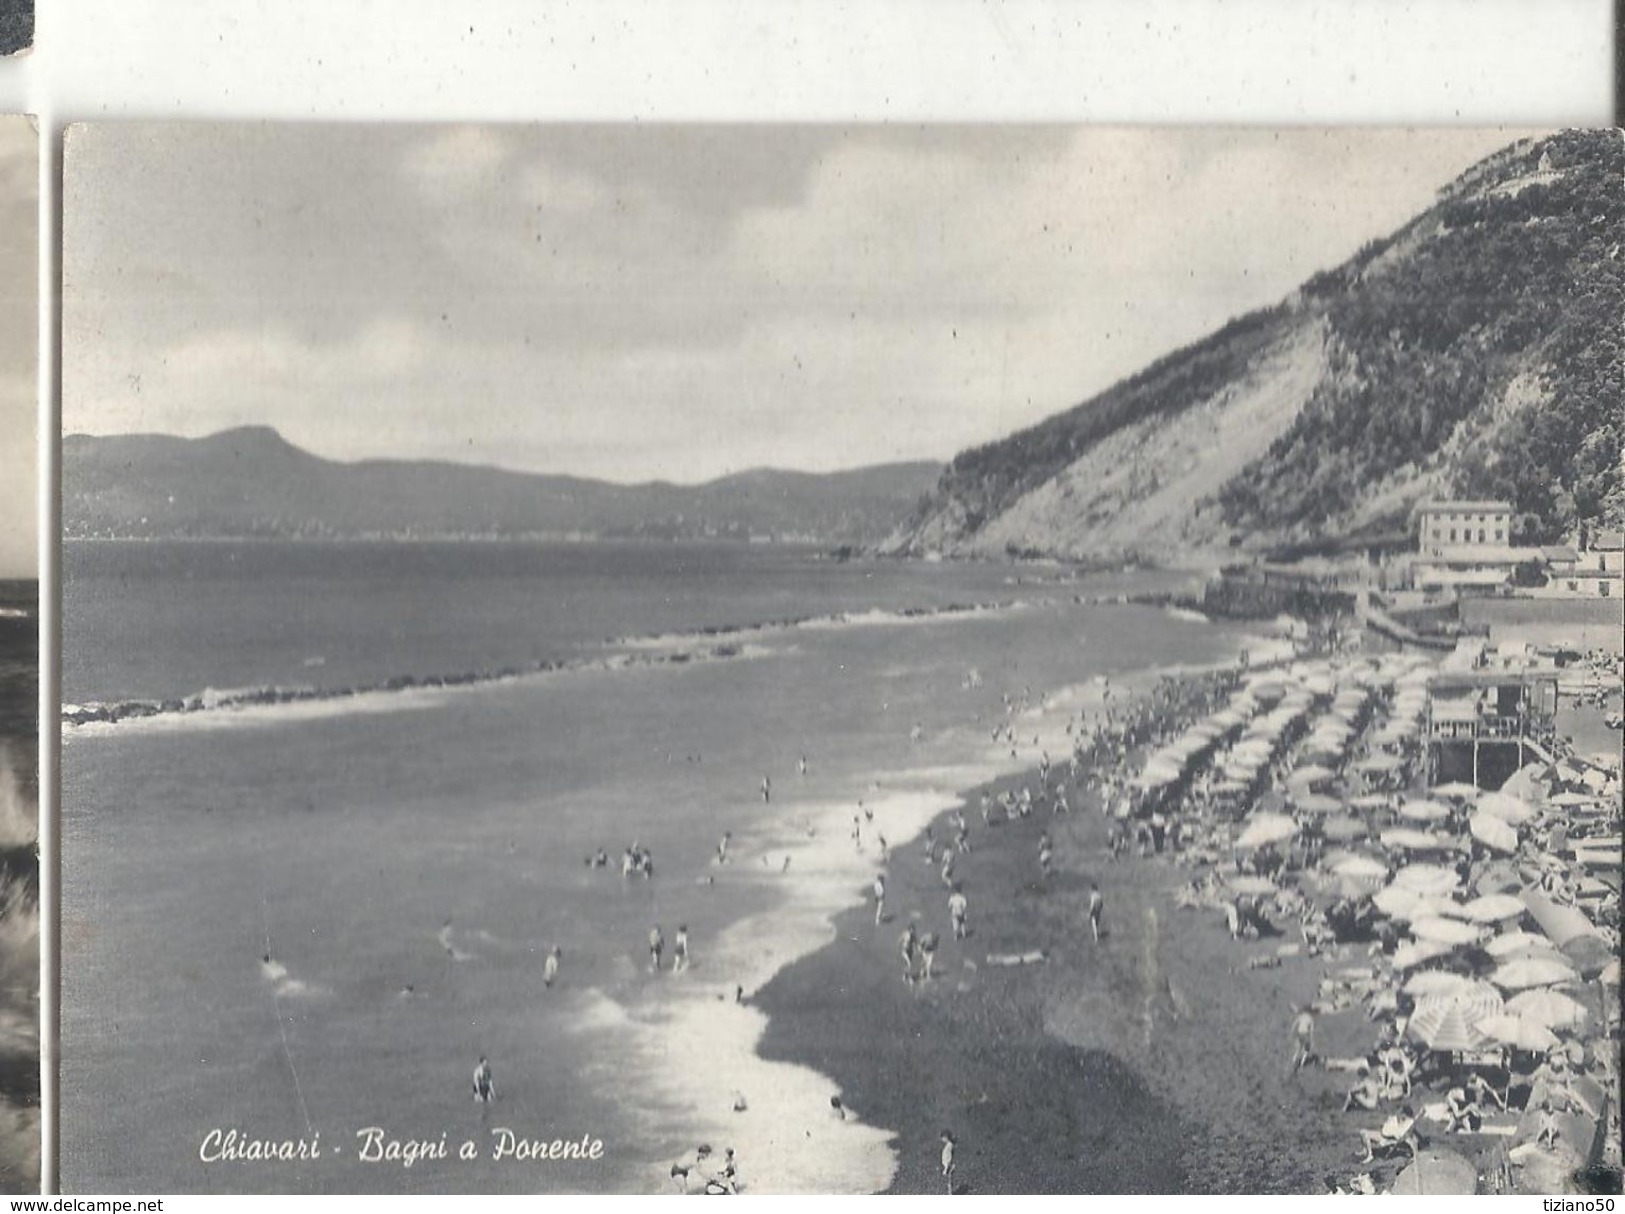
x: 342, y: 835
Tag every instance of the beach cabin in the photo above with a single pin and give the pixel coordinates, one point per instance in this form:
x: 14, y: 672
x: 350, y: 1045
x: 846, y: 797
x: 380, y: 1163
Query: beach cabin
x: 1484, y: 724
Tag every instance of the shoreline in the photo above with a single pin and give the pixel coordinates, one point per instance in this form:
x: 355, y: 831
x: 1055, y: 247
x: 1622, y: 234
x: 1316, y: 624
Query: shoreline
x: 977, y: 1051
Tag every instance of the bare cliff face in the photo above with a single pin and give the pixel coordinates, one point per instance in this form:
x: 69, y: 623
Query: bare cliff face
x: 1477, y: 351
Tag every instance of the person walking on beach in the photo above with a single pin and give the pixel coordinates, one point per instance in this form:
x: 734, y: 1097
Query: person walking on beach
x: 906, y: 944
x: 948, y: 1144
x: 928, y: 951
x: 657, y: 947
x: 958, y: 907
x: 767, y: 790
x: 1303, y: 1038
x: 679, y: 951
x: 947, y: 873
x: 880, y: 898
x: 550, y: 967
x: 1097, y: 904
x: 801, y: 766
x: 485, y: 1088
x: 1045, y: 854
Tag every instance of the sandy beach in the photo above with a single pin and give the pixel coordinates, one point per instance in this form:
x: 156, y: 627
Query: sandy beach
x: 1159, y: 1059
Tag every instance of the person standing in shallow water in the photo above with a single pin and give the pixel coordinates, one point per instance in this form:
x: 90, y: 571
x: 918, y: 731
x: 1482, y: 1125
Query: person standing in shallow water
x: 948, y: 1144
x: 485, y: 1088
x: 550, y: 967
x: 1097, y: 905
x: 657, y: 946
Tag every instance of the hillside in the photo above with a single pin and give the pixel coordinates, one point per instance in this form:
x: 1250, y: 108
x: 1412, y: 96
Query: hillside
x: 252, y: 482
x: 1476, y: 352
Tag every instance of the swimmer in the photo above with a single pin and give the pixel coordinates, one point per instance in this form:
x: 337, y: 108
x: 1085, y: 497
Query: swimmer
x: 948, y: 1144
x: 679, y: 951
x: 928, y: 953
x: 906, y: 945
x: 485, y: 1088
x: 767, y: 790
x: 550, y: 967
x: 272, y: 971
x: 1097, y: 904
x: 722, y: 847
x: 801, y: 766
x: 1045, y: 854
x: 958, y: 909
x: 880, y: 898
x: 657, y: 946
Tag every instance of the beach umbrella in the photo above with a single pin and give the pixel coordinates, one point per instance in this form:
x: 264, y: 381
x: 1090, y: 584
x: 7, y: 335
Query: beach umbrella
x: 1259, y: 887
x: 1312, y: 774
x: 1475, y: 999
x: 1377, y: 763
x: 1610, y: 973
x: 1437, y: 982
x: 1427, y: 878
x: 1493, y: 908
x: 1396, y: 901
x: 1315, y: 803
x: 1405, y: 839
x: 1343, y: 830
x: 1445, y: 931
x: 1547, y: 1007
x: 1493, y: 832
x: 1372, y: 800
x: 1519, y: 1033
x: 1263, y: 829
x: 1158, y: 773
x: 1567, y: 800
x: 1443, y: 1023
x: 1415, y: 952
x: 1457, y: 790
x: 1498, y: 877
x: 1424, y: 811
x: 1515, y: 941
x: 1510, y: 809
x: 1360, y: 866
x: 1590, y: 953
x: 1525, y: 972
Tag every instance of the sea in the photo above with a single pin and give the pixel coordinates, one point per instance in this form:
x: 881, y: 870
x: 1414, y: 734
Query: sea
x: 316, y: 879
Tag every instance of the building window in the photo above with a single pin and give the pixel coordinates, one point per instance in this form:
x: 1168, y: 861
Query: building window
x: 1452, y: 535
x: 1602, y: 562
x: 1481, y: 535
x: 1500, y: 534
x: 1573, y: 585
x: 1602, y: 588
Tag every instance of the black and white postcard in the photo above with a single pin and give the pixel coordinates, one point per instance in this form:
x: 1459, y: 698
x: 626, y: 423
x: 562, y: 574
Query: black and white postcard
x: 811, y: 659
x: 19, y: 660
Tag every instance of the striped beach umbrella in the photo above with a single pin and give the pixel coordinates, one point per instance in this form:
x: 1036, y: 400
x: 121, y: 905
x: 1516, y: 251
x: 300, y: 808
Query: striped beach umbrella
x: 1443, y: 1023
x: 1517, y: 940
x: 1440, y: 982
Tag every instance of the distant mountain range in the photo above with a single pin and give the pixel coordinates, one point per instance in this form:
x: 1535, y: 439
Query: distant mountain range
x: 1479, y: 351
x: 251, y: 482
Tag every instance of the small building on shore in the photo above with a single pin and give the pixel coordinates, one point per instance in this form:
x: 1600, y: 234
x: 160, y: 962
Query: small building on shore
x: 1484, y: 723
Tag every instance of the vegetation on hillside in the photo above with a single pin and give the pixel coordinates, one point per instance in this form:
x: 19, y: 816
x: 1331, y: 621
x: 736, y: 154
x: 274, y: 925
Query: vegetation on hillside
x: 1517, y: 279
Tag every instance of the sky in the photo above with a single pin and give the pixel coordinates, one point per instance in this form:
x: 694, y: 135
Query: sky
x: 19, y: 347
x: 640, y: 302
